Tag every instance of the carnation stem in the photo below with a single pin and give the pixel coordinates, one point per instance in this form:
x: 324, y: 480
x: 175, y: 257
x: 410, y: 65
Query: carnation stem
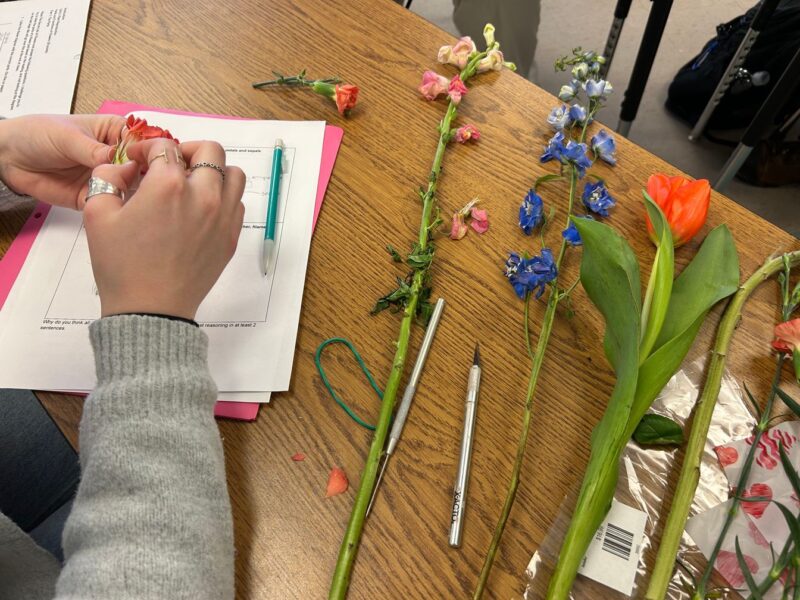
x: 536, y: 365
x: 690, y: 471
x: 761, y: 427
x: 352, y: 537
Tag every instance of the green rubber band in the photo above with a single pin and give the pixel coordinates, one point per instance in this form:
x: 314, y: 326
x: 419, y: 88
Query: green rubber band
x: 347, y: 409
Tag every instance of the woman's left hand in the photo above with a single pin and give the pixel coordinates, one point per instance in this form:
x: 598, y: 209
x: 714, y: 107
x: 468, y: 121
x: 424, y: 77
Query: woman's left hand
x: 51, y: 157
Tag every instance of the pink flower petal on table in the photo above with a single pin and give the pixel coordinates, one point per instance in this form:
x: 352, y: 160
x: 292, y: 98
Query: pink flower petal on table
x: 337, y: 482
x: 728, y: 566
x: 480, y: 220
x: 459, y: 229
x: 298, y: 457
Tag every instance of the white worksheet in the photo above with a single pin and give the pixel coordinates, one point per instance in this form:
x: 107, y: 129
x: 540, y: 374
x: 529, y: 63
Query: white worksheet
x: 251, y: 320
x: 41, y: 42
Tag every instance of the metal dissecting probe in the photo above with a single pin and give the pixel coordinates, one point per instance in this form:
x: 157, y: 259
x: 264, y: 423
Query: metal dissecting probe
x: 408, y: 396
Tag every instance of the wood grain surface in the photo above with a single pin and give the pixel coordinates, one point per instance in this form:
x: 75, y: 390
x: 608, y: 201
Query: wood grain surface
x: 202, y: 56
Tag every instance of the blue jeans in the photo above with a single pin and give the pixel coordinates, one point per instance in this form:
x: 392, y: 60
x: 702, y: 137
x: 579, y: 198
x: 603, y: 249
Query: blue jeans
x: 39, y: 470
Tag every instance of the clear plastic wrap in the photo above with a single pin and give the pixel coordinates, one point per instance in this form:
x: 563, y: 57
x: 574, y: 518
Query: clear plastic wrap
x: 644, y: 481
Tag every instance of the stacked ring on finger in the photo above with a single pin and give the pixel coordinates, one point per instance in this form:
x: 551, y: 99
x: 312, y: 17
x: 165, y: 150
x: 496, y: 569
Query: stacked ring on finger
x: 99, y: 186
x: 209, y: 165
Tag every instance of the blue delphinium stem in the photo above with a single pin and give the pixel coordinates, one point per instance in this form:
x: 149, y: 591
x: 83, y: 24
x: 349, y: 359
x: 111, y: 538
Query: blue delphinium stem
x: 537, y: 358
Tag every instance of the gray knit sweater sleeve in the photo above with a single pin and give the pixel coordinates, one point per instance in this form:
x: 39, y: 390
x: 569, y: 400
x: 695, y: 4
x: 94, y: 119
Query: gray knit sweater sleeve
x: 152, y: 517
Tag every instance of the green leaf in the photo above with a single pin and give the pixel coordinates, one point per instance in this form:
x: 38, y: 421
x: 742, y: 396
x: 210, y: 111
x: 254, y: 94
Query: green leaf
x: 659, y: 288
x: 657, y: 430
x: 791, y: 521
x: 748, y: 576
x: 788, y: 468
x: 610, y: 276
x: 394, y: 253
x: 788, y: 401
x: 544, y: 179
x: 712, y: 276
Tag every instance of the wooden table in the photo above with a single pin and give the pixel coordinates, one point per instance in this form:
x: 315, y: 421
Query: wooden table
x: 202, y: 56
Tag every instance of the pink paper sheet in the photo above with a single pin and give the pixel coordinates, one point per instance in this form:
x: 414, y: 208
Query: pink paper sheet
x: 11, y: 263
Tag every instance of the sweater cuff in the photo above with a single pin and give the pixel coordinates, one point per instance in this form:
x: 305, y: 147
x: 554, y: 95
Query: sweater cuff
x: 156, y: 361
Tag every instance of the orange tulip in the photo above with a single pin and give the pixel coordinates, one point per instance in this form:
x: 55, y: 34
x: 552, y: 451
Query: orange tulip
x: 684, y: 202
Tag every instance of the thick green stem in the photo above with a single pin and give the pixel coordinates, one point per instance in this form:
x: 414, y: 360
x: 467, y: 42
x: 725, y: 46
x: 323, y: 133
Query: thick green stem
x: 352, y: 537
x: 761, y: 427
x: 690, y: 472
x: 536, y: 365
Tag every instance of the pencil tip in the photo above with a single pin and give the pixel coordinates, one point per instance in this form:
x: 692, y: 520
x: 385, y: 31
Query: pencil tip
x: 476, y: 359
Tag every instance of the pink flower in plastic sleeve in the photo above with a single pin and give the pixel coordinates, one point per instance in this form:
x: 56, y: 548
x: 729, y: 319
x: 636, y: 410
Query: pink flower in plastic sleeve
x: 480, y: 220
x: 458, y: 229
x: 433, y: 85
x: 466, y: 133
x: 456, y: 89
x: 457, y: 55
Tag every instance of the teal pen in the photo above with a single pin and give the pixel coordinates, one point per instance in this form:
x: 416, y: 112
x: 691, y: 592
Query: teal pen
x: 272, y: 206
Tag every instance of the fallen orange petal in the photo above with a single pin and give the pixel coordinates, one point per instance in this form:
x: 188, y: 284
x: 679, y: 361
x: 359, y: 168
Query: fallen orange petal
x: 298, y: 457
x: 337, y: 482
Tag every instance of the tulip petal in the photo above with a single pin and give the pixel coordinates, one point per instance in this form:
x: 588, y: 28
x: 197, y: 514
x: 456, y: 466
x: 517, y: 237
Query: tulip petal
x: 337, y: 482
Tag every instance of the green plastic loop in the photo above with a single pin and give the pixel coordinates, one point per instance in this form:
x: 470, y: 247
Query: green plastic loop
x: 339, y: 401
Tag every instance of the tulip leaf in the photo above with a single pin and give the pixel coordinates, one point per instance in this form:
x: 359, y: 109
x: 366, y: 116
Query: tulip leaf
x: 657, y: 430
x: 659, y: 288
x: 712, y: 276
x: 610, y: 276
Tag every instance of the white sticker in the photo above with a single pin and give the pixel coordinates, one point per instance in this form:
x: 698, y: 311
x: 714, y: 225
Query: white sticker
x: 613, y: 555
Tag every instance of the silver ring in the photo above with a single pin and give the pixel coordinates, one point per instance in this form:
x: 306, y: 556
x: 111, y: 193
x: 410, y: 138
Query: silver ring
x: 101, y: 186
x: 210, y: 165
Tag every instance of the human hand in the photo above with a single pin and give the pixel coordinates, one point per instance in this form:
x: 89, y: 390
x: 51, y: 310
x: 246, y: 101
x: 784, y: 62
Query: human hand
x: 162, y: 250
x: 51, y: 157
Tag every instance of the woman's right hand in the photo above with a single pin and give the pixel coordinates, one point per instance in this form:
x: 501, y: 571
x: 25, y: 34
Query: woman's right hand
x: 163, y: 249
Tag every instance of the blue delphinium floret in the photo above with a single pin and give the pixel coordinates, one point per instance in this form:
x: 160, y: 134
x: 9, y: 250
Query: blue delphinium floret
x: 560, y: 117
x: 577, y: 113
x: 597, y: 199
x: 576, y: 154
x: 597, y: 88
x: 531, y: 275
x: 571, y: 233
x: 554, y: 148
x: 604, y: 147
x: 531, y: 212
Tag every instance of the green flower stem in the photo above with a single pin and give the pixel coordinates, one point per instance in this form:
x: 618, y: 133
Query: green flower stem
x: 536, y: 365
x: 761, y: 427
x: 690, y: 472
x: 352, y: 537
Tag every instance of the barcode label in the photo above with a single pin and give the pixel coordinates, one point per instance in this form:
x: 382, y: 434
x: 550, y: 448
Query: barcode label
x: 617, y: 541
x: 613, y: 556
